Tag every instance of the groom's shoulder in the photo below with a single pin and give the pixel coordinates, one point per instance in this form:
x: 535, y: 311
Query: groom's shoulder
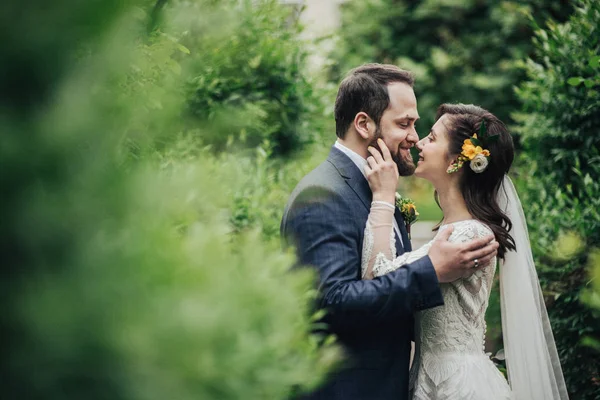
x: 325, y: 175
x: 322, y: 183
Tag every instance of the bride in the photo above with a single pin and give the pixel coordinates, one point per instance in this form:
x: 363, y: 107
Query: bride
x: 466, y: 157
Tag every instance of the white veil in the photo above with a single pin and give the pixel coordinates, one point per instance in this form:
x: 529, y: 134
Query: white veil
x: 534, y: 371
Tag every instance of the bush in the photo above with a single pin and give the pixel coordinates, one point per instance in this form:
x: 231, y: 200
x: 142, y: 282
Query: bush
x: 560, y: 129
x: 459, y: 51
x: 124, y: 280
x: 248, y: 78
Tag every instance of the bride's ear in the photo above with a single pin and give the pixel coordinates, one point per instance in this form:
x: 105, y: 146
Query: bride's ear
x: 453, y: 164
x: 364, y: 125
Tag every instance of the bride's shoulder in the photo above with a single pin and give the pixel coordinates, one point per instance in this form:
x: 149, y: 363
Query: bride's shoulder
x: 481, y: 228
x: 468, y: 229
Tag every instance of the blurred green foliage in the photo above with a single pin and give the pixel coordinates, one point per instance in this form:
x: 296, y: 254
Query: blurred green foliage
x: 591, y: 297
x: 125, y: 277
x: 460, y: 51
x: 560, y: 181
x: 246, y: 76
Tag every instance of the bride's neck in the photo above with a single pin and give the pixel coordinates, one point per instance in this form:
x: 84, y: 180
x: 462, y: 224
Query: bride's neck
x: 452, y: 203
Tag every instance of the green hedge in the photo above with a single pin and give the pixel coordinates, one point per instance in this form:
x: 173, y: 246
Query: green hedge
x: 123, y: 279
x: 560, y: 180
x: 460, y: 51
x: 248, y: 77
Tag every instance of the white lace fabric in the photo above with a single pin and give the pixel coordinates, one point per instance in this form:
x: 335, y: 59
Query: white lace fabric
x: 376, y: 250
x: 453, y: 363
x: 450, y: 362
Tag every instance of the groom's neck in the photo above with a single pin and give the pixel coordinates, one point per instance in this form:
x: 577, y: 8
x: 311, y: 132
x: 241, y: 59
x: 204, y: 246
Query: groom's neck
x: 359, y: 147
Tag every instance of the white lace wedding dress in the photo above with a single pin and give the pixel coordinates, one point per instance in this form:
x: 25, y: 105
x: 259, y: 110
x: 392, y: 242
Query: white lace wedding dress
x: 450, y: 362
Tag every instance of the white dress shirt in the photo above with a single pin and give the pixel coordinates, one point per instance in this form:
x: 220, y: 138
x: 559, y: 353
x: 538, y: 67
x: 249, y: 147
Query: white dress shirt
x: 360, y: 163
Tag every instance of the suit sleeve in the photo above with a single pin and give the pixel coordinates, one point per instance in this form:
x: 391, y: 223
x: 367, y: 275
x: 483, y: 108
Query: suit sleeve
x: 327, y: 239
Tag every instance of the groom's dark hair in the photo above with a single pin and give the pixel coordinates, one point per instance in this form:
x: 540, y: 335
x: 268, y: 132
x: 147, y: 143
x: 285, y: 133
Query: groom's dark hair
x: 365, y: 89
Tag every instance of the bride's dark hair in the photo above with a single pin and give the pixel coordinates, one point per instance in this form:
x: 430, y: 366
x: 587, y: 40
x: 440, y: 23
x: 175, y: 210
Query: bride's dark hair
x: 480, y: 190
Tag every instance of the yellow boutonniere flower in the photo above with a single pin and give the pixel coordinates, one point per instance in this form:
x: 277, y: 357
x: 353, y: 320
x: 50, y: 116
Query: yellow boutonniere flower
x: 409, y: 211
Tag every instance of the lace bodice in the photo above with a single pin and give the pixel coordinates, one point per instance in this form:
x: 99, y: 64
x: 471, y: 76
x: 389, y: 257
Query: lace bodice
x: 460, y: 324
x: 450, y: 338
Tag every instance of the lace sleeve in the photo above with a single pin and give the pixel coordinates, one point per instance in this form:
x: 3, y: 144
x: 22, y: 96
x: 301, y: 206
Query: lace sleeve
x: 379, y: 244
x: 379, y: 240
x: 466, y: 231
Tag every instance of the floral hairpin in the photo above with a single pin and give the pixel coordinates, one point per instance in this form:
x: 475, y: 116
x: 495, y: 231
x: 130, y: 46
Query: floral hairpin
x: 474, y: 153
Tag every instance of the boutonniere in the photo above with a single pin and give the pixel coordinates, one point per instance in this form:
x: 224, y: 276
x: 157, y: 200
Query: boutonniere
x: 408, y: 210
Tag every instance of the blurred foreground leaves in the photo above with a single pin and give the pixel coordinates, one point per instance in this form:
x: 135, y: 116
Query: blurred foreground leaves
x: 125, y: 278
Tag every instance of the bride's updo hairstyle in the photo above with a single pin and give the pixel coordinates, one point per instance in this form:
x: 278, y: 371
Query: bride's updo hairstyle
x: 480, y: 190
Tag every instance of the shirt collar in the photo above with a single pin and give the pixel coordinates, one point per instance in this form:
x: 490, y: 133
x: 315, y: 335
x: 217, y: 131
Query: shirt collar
x: 356, y: 158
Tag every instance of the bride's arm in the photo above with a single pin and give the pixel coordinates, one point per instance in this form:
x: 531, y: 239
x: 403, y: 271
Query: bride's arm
x: 379, y: 242
x: 378, y: 237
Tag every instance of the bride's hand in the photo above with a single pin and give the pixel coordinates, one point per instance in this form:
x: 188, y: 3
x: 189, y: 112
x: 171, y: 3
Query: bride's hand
x: 382, y: 173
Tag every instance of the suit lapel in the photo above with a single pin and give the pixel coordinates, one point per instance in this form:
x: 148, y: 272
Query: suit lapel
x: 403, y: 231
x: 353, y: 176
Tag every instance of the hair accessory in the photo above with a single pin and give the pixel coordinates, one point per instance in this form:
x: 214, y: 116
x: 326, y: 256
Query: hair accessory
x: 474, y: 153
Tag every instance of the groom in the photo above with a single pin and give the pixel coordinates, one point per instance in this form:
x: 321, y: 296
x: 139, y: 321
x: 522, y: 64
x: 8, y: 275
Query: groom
x: 325, y: 219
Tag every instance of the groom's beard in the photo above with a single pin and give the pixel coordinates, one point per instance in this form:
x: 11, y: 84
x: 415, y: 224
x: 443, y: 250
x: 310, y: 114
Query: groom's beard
x: 406, y: 167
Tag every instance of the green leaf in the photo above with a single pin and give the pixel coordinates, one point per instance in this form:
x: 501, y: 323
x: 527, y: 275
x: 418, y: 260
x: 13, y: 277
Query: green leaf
x: 595, y: 62
x: 575, y: 81
x: 588, y: 83
x: 255, y: 61
x: 482, y: 130
x: 183, y: 49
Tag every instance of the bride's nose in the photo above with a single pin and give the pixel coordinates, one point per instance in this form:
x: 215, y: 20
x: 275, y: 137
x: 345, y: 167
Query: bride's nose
x: 419, y: 144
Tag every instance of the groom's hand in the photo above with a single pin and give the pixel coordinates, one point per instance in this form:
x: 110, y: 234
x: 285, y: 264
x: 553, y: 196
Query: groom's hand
x: 456, y: 260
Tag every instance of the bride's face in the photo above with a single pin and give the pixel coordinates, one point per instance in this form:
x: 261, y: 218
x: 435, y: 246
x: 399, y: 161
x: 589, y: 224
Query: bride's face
x: 434, y: 158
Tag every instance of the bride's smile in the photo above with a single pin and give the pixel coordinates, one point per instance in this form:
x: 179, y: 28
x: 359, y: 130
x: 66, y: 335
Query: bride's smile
x: 434, y: 157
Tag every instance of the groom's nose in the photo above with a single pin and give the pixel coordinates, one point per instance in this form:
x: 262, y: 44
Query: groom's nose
x: 412, y: 137
x: 419, y: 145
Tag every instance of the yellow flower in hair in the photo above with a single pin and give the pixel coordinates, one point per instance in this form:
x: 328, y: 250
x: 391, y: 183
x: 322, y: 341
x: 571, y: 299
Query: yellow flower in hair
x: 471, y: 151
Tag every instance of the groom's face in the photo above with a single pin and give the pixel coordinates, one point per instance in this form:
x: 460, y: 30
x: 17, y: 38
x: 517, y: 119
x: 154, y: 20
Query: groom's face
x: 397, y: 126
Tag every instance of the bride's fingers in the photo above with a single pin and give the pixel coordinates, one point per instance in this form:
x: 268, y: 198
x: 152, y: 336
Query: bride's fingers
x: 376, y: 154
x: 372, y: 163
x: 387, y: 156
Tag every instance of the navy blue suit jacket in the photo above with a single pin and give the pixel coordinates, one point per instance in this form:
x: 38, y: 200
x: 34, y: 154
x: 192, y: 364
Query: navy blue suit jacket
x: 373, y: 319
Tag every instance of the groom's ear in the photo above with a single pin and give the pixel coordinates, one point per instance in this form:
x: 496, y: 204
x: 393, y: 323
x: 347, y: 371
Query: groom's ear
x: 363, y: 125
